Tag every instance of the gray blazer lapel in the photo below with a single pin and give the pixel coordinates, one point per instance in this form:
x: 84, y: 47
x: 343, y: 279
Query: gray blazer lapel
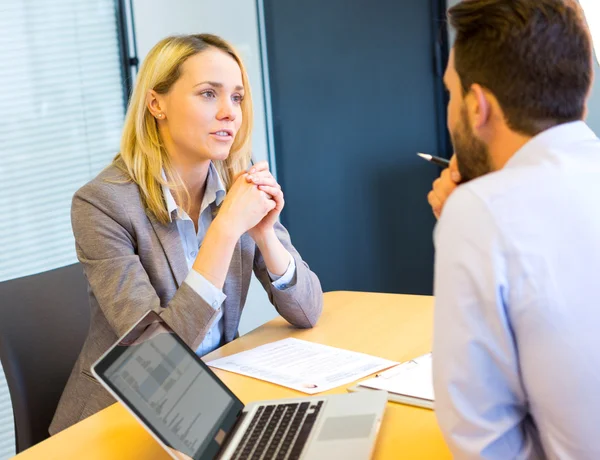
x: 171, y: 244
x: 233, y: 290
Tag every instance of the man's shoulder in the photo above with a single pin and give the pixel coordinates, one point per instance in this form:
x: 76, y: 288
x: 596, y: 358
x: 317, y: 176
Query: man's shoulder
x: 495, y: 193
x: 477, y: 208
x: 505, y: 184
x: 470, y: 199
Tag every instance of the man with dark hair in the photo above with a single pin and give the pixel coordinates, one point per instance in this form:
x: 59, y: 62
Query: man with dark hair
x: 517, y: 321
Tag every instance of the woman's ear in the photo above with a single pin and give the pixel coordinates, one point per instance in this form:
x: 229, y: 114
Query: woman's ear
x: 153, y: 102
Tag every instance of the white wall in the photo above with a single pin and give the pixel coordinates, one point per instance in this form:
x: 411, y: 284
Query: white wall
x: 593, y: 118
x: 236, y: 21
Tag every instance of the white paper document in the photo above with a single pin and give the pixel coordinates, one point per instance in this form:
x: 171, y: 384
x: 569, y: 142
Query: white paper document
x: 413, y: 378
x: 304, y: 366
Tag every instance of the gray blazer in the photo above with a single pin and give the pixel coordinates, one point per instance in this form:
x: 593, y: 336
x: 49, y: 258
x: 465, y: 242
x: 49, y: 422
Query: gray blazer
x: 134, y: 263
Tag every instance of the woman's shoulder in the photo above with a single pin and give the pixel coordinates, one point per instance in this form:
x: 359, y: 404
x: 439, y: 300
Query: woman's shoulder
x: 113, y: 193
x: 111, y: 201
x: 112, y: 182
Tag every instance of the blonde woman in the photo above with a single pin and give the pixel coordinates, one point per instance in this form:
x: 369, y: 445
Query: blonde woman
x: 176, y: 224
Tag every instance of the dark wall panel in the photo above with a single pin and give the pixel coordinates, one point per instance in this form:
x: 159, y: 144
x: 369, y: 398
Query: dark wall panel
x: 353, y: 85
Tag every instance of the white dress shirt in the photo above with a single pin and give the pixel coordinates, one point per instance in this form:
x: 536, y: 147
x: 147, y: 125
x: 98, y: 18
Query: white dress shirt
x: 517, y: 315
x: 191, y: 242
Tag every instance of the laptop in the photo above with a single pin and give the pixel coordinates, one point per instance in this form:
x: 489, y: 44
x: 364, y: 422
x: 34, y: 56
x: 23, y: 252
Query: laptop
x: 193, y: 414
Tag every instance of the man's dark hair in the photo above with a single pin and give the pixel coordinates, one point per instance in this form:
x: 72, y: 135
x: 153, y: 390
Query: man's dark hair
x: 535, y: 56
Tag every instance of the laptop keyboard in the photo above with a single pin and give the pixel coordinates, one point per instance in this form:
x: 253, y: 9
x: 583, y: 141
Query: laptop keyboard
x: 278, y: 432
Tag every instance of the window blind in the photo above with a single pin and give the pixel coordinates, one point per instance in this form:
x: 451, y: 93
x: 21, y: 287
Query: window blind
x: 61, y: 88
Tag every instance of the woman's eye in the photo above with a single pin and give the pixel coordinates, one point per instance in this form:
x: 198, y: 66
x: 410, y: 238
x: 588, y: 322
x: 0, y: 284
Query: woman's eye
x: 237, y: 98
x: 209, y: 94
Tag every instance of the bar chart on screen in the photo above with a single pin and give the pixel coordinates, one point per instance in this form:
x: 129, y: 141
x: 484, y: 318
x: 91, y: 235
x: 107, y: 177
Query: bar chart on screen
x: 163, y: 383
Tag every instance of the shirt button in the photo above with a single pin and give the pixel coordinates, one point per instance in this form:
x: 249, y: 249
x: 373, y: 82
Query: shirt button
x: 215, y: 304
x: 193, y: 253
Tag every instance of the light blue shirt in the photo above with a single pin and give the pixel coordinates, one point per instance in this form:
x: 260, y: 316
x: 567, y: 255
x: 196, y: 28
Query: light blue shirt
x: 517, y: 311
x: 191, y: 242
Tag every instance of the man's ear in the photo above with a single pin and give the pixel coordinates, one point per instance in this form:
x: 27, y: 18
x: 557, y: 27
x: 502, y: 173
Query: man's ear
x: 479, y: 105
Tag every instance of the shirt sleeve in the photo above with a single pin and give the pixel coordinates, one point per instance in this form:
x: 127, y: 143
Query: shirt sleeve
x: 480, y: 403
x: 205, y: 289
x: 288, y: 279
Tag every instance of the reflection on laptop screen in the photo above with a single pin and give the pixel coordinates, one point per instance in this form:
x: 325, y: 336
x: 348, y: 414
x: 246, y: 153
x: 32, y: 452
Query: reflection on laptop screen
x: 167, y: 387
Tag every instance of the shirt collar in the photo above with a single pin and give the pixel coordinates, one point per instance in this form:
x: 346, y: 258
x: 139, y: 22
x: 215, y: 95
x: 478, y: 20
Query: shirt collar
x: 554, y: 138
x: 214, y: 193
x: 215, y: 190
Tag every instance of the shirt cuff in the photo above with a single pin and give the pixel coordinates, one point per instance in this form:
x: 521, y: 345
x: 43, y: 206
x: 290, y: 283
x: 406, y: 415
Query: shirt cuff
x: 287, y: 279
x: 205, y: 289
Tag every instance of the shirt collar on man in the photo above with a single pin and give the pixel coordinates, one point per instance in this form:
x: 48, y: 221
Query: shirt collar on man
x: 553, y: 138
x: 214, y: 193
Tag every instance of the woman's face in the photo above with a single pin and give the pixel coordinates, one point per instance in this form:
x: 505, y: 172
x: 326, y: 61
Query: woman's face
x: 203, y: 110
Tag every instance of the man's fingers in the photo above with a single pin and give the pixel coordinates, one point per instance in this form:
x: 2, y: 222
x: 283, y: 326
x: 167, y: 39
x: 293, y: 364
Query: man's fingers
x: 444, y: 186
x: 454, y: 172
x: 435, y: 203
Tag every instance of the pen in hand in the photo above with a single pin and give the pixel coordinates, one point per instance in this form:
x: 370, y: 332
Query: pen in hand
x: 435, y: 160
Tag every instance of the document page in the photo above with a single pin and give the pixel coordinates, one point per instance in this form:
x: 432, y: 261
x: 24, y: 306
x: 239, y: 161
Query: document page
x: 413, y: 378
x: 304, y: 366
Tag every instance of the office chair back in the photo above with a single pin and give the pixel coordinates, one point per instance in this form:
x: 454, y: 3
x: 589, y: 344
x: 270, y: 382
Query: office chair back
x: 44, y: 320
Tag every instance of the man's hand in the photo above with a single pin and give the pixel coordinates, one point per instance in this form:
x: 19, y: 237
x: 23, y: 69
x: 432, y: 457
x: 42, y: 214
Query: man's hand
x: 443, y: 187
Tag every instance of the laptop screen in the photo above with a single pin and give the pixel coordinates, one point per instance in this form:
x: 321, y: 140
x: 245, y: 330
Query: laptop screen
x: 170, y: 389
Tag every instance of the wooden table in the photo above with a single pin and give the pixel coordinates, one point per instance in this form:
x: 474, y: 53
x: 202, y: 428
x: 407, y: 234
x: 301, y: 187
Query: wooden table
x: 396, y: 327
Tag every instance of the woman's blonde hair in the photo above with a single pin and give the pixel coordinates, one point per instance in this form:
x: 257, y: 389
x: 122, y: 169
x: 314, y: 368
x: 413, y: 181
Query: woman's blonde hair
x: 143, y: 156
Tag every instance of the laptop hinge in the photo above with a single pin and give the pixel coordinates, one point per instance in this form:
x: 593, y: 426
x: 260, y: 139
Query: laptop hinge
x: 229, y: 436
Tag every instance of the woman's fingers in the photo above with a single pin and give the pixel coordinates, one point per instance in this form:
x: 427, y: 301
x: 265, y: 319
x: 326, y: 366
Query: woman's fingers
x: 275, y: 194
x: 272, y: 191
x: 262, y: 178
x: 260, y: 166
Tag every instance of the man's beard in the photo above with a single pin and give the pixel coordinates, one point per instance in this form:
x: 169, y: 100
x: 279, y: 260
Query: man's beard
x: 472, y: 154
